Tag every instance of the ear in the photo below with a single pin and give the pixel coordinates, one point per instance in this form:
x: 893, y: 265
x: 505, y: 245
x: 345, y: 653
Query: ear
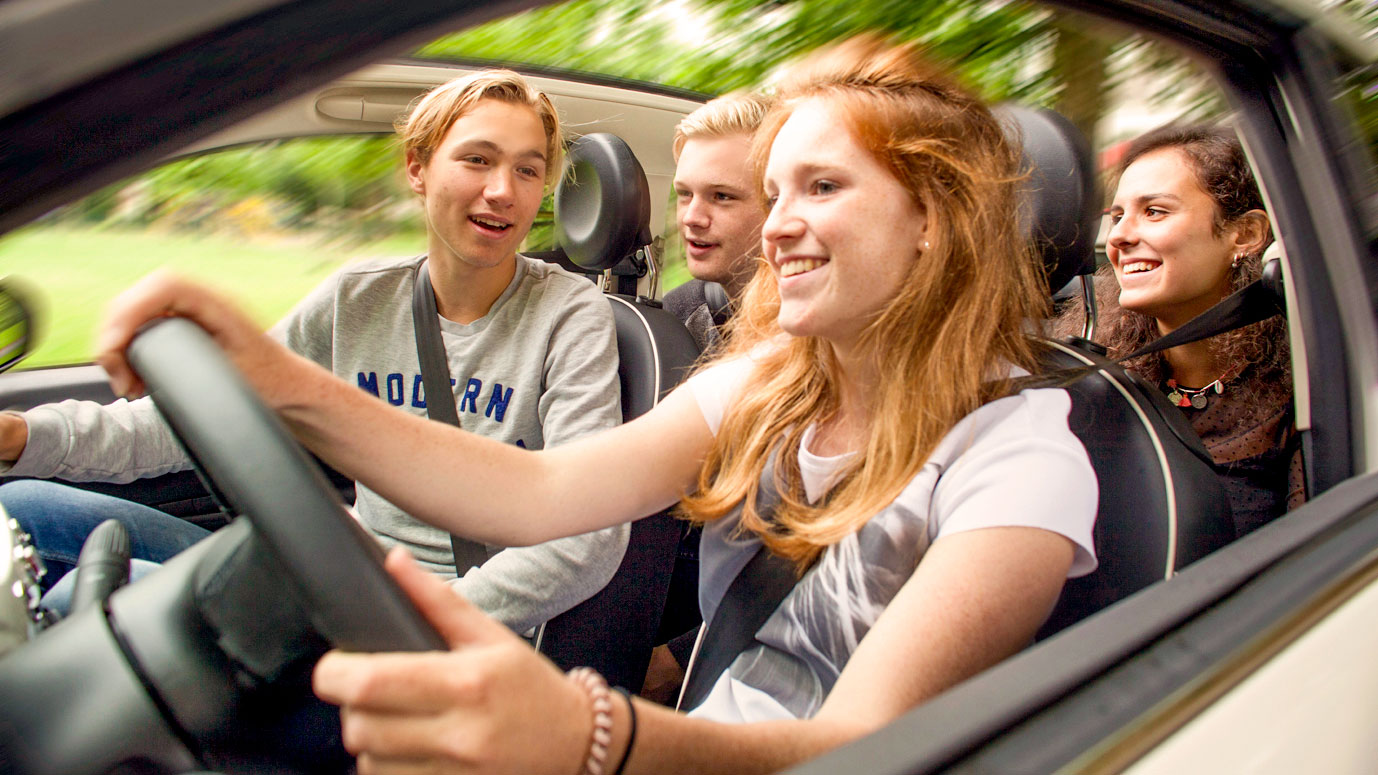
x: 416, y: 173
x: 1251, y: 232
x: 921, y: 220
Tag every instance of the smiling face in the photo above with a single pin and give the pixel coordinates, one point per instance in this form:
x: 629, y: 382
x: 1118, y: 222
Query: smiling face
x: 842, y: 233
x: 719, y: 215
x: 1163, y: 243
x: 483, y: 184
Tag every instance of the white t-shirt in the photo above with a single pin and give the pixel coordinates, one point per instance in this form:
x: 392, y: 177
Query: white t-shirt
x: 1012, y: 462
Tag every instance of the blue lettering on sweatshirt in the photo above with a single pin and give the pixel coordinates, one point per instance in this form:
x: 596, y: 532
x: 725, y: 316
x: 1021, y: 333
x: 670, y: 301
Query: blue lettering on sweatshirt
x: 497, y: 403
x: 498, y: 400
x: 469, y: 401
x: 417, y: 392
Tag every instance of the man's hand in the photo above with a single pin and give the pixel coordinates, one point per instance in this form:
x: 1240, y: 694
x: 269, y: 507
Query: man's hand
x: 664, y: 675
x: 14, y: 436
x: 267, y: 364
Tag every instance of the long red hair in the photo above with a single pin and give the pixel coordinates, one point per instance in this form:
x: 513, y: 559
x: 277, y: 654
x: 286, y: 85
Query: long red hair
x: 942, y: 345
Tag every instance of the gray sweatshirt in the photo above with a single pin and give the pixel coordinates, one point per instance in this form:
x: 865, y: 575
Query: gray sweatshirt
x: 540, y: 368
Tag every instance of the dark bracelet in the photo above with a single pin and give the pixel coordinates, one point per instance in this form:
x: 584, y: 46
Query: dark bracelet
x: 631, y: 734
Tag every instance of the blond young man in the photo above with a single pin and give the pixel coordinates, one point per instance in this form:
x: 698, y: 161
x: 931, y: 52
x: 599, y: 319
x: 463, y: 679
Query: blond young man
x: 720, y: 219
x: 480, y: 151
x: 718, y: 213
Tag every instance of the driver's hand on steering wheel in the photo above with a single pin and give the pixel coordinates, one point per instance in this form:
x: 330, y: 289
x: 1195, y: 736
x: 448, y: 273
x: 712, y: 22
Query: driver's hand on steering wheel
x: 489, y: 704
x: 266, y: 363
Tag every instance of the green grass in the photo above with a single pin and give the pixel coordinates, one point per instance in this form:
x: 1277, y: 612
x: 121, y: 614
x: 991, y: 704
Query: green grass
x: 674, y: 275
x: 74, y: 272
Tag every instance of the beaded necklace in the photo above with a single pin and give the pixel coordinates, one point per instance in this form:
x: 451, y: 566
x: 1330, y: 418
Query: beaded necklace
x: 1194, y: 397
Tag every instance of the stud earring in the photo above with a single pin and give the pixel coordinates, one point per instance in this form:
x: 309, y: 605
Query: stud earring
x: 925, y: 246
x: 1238, y: 257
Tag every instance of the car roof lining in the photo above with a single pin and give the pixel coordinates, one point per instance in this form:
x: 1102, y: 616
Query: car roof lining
x: 645, y: 120
x: 244, y: 69
x: 128, y: 29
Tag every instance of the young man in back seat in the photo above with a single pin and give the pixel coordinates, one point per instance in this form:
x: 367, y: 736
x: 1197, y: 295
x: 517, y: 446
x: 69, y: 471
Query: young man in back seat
x: 720, y: 217
x: 531, y: 350
x: 718, y: 212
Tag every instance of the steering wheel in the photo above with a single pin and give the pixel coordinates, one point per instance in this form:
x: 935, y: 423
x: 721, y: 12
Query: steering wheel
x: 261, y: 472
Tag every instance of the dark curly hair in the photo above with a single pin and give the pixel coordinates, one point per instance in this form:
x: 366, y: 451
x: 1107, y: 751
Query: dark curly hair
x: 1223, y: 172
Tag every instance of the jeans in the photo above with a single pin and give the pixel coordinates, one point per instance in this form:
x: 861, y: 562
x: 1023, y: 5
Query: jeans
x: 58, y: 518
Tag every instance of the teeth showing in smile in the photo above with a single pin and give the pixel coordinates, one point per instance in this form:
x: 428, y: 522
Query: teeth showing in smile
x: 800, y: 266
x: 492, y: 224
x: 1138, y: 266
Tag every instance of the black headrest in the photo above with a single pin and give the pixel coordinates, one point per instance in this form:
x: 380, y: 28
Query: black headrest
x: 1062, y: 193
x: 602, y: 204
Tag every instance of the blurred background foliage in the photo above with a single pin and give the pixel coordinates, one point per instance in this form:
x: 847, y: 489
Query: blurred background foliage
x: 350, y: 190
x: 1007, y: 50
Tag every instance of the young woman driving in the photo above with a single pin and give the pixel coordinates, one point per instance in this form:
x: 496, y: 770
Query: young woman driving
x: 933, y: 517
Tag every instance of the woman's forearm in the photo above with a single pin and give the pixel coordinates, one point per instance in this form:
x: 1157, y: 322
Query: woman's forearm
x: 667, y: 741
x: 484, y: 489
x: 428, y: 469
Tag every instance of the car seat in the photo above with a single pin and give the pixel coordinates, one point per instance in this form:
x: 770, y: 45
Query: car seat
x: 602, y: 218
x: 1161, y: 506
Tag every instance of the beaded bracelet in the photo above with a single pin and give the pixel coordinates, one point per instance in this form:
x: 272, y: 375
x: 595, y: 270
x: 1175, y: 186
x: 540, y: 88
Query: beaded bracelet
x: 590, y: 681
x: 631, y: 730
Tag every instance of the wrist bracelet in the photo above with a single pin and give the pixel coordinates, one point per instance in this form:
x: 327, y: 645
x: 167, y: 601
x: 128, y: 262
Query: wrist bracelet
x: 591, y: 682
x: 631, y: 735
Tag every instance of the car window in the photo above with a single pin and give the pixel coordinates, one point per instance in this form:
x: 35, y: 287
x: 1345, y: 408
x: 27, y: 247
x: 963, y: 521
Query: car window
x: 263, y: 223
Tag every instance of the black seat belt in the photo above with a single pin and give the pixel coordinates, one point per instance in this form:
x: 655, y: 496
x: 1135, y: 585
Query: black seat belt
x: 1255, y: 302
x: 440, y: 404
x: 753, y: 596
x: 1259, y: 300
x: 719, y: 304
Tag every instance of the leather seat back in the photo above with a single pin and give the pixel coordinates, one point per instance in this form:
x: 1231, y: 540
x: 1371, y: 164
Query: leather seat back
x: 1161, y: 506
x: 603, y: 216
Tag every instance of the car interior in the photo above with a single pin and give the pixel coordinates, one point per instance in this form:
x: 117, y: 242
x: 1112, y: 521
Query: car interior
x: 192, y: 683
x: 1167, y: 511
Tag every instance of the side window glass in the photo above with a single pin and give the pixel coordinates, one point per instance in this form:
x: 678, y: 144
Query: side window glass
x: 262, y: 223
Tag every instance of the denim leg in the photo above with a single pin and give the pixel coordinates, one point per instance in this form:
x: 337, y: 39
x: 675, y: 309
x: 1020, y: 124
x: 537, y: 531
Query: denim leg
x: 59, y: 518
x: 58, y: 598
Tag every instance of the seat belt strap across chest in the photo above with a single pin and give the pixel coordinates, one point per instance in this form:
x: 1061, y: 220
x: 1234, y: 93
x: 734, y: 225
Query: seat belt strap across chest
x: 1259, y: 300
x: 440, y: 405
x: 754, y: 595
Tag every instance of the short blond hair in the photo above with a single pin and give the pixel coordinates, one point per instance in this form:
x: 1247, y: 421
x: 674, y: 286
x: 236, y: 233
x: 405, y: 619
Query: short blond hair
x: 425, y: 125
x: 734, y: 112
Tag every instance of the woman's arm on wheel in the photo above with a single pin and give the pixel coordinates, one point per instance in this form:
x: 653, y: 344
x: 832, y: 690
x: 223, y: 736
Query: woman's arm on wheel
x: 493, y: 705
x: 476, y: 487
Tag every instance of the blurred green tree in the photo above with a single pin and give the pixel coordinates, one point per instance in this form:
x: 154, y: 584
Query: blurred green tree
x: 1007, y: 50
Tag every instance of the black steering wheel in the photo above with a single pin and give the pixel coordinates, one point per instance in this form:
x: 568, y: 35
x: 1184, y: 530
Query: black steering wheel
x: 206, y: 663
x: 261, y: 472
